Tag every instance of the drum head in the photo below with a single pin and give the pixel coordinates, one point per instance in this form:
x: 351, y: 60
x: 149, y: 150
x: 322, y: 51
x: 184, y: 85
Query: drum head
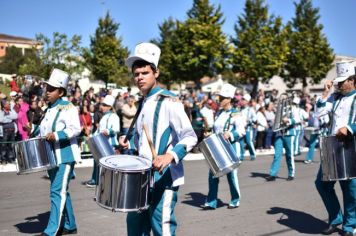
x: 126, y: 163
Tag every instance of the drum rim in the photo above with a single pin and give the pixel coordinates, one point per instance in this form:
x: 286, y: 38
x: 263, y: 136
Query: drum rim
x: 32, y: 139
x: 145, y: 168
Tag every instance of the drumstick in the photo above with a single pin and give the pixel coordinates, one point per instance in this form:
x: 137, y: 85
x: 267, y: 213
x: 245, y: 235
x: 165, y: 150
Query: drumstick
x: 153, y: 151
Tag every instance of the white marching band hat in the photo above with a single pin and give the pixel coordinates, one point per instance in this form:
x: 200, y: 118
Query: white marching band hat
x: 247, y: 97
x: 58, y: 79
x: 228, y: 91
x: 144, y: 51
x: 296, y: 100
x: 109, y: 100
x: 344, y: 70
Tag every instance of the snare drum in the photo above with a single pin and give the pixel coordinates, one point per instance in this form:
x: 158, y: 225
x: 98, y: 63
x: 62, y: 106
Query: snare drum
x: 34, y: 155
x: 219, y: 154
x: 100, y: 147
x: 124, y: 183
x: 338, y: 158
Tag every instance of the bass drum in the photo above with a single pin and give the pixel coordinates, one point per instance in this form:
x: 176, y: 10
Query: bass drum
x: 219, y: 154
x: 124, y: 183
x: 338, y: 158
x: 34, y: 155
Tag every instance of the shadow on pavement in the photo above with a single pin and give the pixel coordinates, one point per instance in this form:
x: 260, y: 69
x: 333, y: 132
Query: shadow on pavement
x: 34, y: 224
x: 259, y: 175
x: 298, y: 221
x: 198, y: 199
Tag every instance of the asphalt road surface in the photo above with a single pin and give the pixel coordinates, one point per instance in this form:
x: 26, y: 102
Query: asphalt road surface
x: 267, y: 208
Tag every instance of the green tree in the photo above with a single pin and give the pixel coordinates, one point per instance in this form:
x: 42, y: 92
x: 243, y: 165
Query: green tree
x: 106, y: 56
x: 311, y: 55
x: 60, y: 52
x: 197, y: 47
x: 260, y: 45
x: 167, y: 60
x: 11, y: 62
x: 31, y: 64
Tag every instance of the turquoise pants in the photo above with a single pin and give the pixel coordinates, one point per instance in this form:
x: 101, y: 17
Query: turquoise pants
x: 95, y: 173
x: 331, y: 202
x: 213, y: 189
x: 159, y: 217
x: 248, y: 139
x: 312, y: 143
x: 61, y: 204
x: 281, y: 142
x: 297, y: 143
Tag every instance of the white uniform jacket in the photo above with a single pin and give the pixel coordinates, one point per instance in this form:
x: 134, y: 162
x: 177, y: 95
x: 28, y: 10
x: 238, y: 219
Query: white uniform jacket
x: 250, y: 116
x: 232, y: 121
x: 169, y: 128
x: 111, y: 123
x: 342, y: 109
x: 62, y: 118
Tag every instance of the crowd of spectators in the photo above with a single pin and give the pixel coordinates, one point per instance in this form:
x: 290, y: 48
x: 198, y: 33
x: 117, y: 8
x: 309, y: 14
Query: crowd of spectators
x: 22, y: 109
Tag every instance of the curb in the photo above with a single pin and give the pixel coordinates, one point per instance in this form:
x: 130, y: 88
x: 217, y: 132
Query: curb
x: 88, y: 162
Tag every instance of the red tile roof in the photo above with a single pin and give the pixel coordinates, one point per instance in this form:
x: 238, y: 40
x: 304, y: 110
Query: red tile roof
x: 16, y: 39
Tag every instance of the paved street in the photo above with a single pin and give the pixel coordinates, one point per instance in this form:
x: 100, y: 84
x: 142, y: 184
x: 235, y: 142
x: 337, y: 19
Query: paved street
x: 267, y: 208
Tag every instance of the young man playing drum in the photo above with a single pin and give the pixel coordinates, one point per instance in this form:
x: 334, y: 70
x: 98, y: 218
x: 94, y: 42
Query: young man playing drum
x: 342, y: 107
x: 232, y: 126
x: 61, y: 127
x: 173, y: 137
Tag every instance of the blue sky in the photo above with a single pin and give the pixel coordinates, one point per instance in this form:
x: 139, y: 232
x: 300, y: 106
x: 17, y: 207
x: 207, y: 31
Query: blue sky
x: 139, y: 19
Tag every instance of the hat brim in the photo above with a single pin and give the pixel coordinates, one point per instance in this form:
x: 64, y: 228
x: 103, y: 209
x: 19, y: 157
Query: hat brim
x: 52, y: 84
x: 224, y: 95
x: 131, y: 60
x: 340, y: 79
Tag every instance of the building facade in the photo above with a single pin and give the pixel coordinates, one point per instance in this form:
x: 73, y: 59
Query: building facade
x: 18, y: 42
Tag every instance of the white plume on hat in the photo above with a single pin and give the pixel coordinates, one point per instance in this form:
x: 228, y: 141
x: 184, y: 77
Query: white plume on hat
x: 343, y: 71
x: 227, y: 90
x: 145, y: 51
x: 109, y: 100
x: 58, y: 79
x: 13, y: 93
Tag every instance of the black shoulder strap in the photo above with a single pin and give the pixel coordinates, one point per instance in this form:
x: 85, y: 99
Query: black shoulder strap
x: 129, y: 132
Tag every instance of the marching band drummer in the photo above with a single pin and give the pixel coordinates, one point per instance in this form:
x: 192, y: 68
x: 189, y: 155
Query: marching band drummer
x: 173, y: 137
x: 61, y: 127
x: 232, y: 125
x: 109, y: 126
x: 342, y: 106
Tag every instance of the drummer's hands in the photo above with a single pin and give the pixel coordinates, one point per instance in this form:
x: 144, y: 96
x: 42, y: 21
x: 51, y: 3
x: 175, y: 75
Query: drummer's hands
x: 226, y: 135
x: 122, y: 142
x: 50, y: 137
x: 327, y: 87
x: 105, y: 132
x: 285, y: 120
x: 342, y: 132
x: 161, y: 161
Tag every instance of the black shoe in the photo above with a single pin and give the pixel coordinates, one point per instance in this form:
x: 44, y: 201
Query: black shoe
x: 331, y: 229
x: 207, y: 208
x: 232, y: 207
x: 290, y: 178
x: 67, y: 231
x: 271, y: 178
x: 43, y: 234
x: 348, y: 234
